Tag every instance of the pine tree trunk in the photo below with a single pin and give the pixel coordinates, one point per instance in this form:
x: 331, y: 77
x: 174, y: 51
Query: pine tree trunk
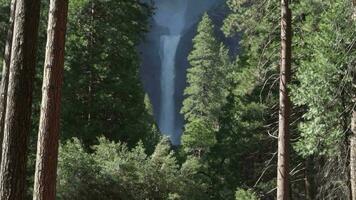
x: 6, y: 71
x: 48, y: 136
x: 19, y: 100
x: 353, y: 157
x: 353, y: 126
x: 353, y: 142
x: 284, y: 103
x: 89, y: 67
x: 309, y: 179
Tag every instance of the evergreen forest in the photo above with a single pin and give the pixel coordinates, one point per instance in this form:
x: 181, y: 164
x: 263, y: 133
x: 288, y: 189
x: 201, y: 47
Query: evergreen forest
x: 268, y: 107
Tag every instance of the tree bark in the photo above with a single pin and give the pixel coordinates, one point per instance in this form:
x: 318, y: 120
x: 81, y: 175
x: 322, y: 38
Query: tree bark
x: 354, y: 11
x: 19, y: 100
x: 48, y: 136
x: 284, y: 103
x: 353, y: 125
x: 309, y: 179
x: 353, y: 157
x: 6, y: 71
x: 353, y: 141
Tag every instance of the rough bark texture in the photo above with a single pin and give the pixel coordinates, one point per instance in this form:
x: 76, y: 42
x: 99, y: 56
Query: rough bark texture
x: 284, y: 103
x: 353, y: 147
x: 353, y: 157
x: 353, y: 142
x: 6, y: 71
x: 353, y: 126
x: 19, y: 100
x: 48, y: 136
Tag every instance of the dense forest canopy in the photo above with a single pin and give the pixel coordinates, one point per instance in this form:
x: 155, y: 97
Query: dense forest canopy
x: 275, y: 121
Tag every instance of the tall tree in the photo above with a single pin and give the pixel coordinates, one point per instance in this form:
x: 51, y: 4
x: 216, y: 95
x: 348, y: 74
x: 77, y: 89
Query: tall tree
x: 207, y: 89
x: 19, y: 100
x: 251, y: 115
x: 284, y: 103
x: 102, y: 71
x: 6, y: 71
x: 48, y: 136
x: 322, y: 92
x: 353, y: 148
x: 353, y: 125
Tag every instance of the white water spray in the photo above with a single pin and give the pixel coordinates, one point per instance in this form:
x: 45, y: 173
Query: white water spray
x: 168, y: 54
x: 171, y: 14
x: 173, y: 18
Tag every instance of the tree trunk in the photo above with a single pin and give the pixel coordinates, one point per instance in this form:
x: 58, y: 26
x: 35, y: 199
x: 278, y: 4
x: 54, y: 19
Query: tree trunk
x: 284, y: 103
x: 48, y: 136
x: 5, y: 71
x: 309, y: 179
x: 89, y: 67
x: 19, y: 100
x: 354, y: 11
x: 353, y: 157
x: 353, y: 141
x: 353, y: 126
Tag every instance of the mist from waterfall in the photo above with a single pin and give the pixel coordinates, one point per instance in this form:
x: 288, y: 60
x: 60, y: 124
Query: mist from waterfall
x: 167, y: 116
x: 173, y: 18
x: 171, y: 15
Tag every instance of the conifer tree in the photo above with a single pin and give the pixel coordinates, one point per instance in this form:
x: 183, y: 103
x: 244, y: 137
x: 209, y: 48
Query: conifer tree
x: 47, y: 145
x: 353, y: 123
x: 6, y: 71
x: 284, y: 103
x: 353, y: 145
x: 102, y: 71
x: 207, y: 89
x: 19, y: 101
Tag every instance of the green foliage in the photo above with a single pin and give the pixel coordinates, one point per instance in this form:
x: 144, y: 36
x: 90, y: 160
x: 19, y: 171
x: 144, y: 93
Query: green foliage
x: 4, y: 22
x: 199, y: 136
x: 323, y: 53
x: 102, y: 93
x: 207, y: 89
x: 243, y: 142
x: 242, y: 194
x: 230, y: 109
x: 113, y: 171
x: 77, y: 173
x: 323, y: 82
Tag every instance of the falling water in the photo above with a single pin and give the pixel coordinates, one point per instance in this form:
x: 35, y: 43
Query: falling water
x: 173, y: 19
x: 172, y: 16
x: 168, y: 54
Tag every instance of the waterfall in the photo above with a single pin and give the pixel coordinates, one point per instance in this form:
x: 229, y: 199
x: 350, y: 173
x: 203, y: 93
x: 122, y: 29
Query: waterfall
x: 161, y: 73
x: 171, y: 15
x: 168, y: 53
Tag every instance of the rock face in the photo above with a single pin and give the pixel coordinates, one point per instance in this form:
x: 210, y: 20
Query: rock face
x: 164, y: 57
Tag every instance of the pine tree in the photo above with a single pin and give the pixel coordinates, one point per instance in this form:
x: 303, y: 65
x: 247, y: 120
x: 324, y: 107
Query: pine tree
x: 103, y: 94
x: 48, y: 136
x: 353, y: 152
x: 207, y: 89
x: 6, y: 71
x: 284, y: 103
x: 323, y: 94
x: 353, y: 123
x: 19, y: 101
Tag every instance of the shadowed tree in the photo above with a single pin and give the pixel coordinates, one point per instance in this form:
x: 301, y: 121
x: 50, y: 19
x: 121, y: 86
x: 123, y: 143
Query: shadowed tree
x: 353, y: 124
x: 48, y: 136
x: 6, y: 71
x: 19, y: 100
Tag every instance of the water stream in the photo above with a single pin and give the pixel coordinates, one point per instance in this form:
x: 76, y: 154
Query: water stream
x: 165, y: 59
x: 167, y: 116
x: 171, y: 15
